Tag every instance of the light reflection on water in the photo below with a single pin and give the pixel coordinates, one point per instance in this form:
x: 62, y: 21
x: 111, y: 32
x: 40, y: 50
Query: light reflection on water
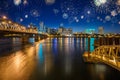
x: 92, y: 44
x: 40, y: 53
x: 17, y: 66
x: 53, y: 59
x: 31, y: 40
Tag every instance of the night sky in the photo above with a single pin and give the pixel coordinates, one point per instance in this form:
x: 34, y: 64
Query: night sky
x: 76, y: 14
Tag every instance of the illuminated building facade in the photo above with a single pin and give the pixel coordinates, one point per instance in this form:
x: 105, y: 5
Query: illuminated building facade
x: 101, y: 30
x: 90, y: 31
x: 65, y: 31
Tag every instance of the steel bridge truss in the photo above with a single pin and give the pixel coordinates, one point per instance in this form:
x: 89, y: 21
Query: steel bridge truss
x: 109, y: 54
x: 6, y: 25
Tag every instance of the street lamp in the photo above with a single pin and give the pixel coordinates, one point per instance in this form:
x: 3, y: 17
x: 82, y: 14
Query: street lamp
x: 4, y: 17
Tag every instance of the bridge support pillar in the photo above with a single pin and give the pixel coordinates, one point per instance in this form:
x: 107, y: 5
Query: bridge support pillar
x: 25, y: 39
x: 42, y: 37
x: 113, y: 39
x: 107, y: 41
x: 37, y: 38
x: 119, y: 41
x: 102, y: 41
x: 89, y: 45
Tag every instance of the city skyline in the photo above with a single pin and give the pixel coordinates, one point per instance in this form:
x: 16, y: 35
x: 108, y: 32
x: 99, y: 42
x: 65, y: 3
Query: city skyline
x: 76, y: 14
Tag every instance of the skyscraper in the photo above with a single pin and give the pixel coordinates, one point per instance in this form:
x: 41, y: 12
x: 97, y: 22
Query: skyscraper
x: 60, y: 30
x: 41, y: 27
x: 101, y: 30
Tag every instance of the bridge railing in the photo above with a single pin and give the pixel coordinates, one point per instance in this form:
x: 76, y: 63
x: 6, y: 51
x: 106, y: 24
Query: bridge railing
x: 107, y: 54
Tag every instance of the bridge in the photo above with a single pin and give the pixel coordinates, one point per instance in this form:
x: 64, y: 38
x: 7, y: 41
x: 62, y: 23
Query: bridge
x: 9, y: 28
x: 108, y: 54
x: 95, y: 35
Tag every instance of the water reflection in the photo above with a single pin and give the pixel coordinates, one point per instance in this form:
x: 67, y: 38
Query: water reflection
x: 40, y: 53
x: 91, y: 44
x: 10, y: 44
x: 51, y: 59
x: 31, y: 40
x: 18, y: 65
x: 55, y: 46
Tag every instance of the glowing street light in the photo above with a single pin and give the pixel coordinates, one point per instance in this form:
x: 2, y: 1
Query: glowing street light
x: 4, y: 17
x: 9, y: 22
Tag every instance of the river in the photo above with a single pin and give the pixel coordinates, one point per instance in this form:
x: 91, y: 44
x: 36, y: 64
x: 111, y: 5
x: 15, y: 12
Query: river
x: 51, y: 59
